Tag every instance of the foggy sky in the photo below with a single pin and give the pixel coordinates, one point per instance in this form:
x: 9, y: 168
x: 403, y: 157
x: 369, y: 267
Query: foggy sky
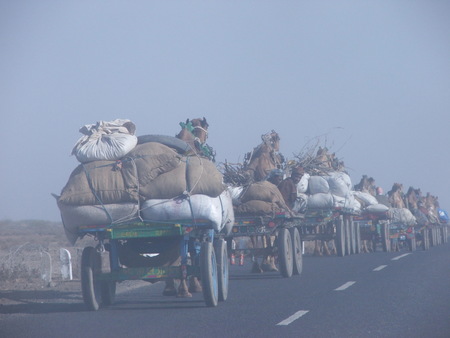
x: 369, y: 79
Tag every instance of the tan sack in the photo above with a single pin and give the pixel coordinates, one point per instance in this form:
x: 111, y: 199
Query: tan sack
x: 264, y: 191
x: 257, y: 208
x: 153, y: 159
x: 101, y: 182
x: 194, y: 175
x: 74, y: 216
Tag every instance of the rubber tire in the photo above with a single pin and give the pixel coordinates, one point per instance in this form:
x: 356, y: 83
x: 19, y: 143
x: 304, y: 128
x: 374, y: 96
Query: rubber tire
x: 108, y: 292
x: 208, y: 272
x: 340, y: 236
x: 358, y: 237
x: 173, y: 142
x: 220, y: 249
x: 297, y: 264
x: 285, y: 253
x: 385, y: 240
x: 91, y: 288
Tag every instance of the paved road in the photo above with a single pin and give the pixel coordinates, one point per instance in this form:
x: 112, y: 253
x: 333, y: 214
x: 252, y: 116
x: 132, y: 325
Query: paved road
x: 368, y: 295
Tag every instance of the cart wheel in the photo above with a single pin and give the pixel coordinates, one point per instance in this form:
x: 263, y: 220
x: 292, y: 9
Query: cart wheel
x: 297, y: 250
x: 358, y: 238
x: 220, y: 248
x: 90, y: 286
x: 432, y: 237
x: 412, y: 244
x: 340, y: 236
x: 385, y: 240
x: 285, y: 252
x: 444, y: 234
x: 208, y: 271
x: 425, y: 239
x: 352, y: 235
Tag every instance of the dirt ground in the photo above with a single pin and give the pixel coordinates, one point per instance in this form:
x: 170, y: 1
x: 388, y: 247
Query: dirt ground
x: 30, y: 259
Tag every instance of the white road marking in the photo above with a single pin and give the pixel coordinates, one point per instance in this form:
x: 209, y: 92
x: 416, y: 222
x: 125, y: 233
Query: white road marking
x: 381, y: 267
x: 295, y: 316
x: 345, y: 286
x: 401, y: 256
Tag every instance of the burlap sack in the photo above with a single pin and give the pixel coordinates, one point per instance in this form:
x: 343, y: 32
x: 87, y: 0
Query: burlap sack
x: 101, y: 182
x: 257, y: 208
x: 74, y: 216
x: 194, y: 175
x: 264, y: 191
x: 153, y: 159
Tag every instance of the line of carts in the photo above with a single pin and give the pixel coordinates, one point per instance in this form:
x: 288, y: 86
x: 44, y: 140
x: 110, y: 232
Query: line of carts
x: 205, y: 253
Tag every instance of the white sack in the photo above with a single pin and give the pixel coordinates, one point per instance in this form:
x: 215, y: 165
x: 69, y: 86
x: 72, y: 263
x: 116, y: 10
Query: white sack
x: 218, y: 210
x: 348, y: 203
x: 235, y: 193
x: 402, y: 215
x: 339, y: 183
x: 302, y: 186
x: 320, y: 201
x: 74, y: 216
x: 377, y: 208
x: 318, y: 185
x: 365, y: 197
x: 300, y: 203
x: 104, y: 141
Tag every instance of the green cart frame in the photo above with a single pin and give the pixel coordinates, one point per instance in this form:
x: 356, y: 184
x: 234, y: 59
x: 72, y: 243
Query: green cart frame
x: 203, y: 254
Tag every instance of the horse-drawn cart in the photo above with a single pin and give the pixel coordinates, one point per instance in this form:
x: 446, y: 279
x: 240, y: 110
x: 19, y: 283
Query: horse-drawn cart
x: 142, y: 244
x: 287, y: 246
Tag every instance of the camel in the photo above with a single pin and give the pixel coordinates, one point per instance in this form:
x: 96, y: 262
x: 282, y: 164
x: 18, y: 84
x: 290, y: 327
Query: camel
x: 395, y: 196
x: 264, y: 158
x: 195, y: 133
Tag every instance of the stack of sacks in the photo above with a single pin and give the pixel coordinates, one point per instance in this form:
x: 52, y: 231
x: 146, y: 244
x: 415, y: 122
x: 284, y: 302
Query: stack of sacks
x: 332, y: 191
x: 301, y: 202
x: 259, y: 199
x: 369, y: 203
x: 104, y: 192
x: 402, y: 215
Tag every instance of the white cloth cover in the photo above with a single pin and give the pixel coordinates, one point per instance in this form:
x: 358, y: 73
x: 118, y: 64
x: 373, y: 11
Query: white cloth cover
x: 402, y: 215
x: 300, y: 203
x: 104, y: 141
x: 302, y: 186
x: 235, y: 193
x: 218, y: 210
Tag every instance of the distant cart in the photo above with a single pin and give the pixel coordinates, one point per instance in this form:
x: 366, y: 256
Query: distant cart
x: 332, y: 224
x: 287, y: 245
x: 374, y: 228
x: 149, y: 242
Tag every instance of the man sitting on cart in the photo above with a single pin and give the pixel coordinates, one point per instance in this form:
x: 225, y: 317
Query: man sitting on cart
x: 288, y: 187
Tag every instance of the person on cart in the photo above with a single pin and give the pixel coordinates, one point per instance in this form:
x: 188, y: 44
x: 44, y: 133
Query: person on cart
x: 288, y: 187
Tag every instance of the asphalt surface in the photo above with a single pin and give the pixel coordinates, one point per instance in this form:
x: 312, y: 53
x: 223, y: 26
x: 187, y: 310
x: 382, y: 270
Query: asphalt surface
x: 397, y: 294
